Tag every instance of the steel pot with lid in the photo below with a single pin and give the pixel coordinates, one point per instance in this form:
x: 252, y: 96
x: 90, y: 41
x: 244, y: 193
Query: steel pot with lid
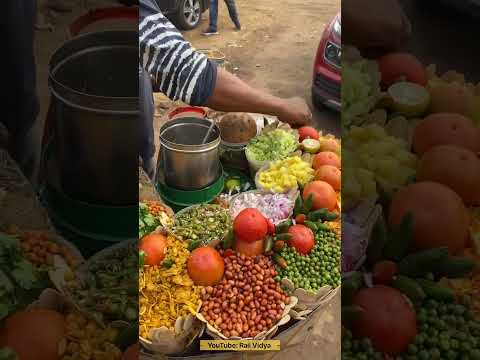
x: 185, y: 162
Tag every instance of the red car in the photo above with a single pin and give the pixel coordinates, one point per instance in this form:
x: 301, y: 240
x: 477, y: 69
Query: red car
x: 327, y: 74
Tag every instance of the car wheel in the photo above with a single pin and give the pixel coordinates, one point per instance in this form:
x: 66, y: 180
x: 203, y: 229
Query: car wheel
x: 189, y: 14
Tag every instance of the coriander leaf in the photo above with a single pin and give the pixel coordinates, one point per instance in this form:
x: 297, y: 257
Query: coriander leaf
x: 5, y: 283
x: 8, y: 241
x: 24, y: 274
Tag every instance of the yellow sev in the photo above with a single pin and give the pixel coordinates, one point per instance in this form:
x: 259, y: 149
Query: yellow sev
x: 167, y: 294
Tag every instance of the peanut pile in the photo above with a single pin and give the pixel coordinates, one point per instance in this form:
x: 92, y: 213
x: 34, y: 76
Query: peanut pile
x: 248, y: 300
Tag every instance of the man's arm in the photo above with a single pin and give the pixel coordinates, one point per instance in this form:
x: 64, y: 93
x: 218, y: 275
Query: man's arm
x: 233, y: 95
x: 181, y: 73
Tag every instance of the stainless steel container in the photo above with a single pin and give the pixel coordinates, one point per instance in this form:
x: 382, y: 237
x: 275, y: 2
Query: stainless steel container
x: 93, y: 80
x: 233, y: 155
x: 186, y: 164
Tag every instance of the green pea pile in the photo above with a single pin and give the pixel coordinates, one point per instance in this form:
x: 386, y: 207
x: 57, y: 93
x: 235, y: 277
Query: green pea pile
x: 445, y: 331
x: 358, y: 349
x: 319, y: 268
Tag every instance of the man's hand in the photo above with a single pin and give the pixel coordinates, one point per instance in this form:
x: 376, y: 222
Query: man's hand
x: 374, y: 24
x: 295, y: 111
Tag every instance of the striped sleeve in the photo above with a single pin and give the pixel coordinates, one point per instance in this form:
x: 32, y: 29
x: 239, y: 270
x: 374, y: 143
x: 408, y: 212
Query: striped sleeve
x: 179, y: 71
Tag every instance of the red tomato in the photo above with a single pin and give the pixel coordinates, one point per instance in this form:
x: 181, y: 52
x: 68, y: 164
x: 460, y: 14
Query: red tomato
x: 302, y: 238
x: 308, y: 132
x: 446, y: 129
x: 249, y: 248
x: 439, y: 216
x: 155, y: 248
x: 324, y: 196
x: 300, y: 218
x: 326, y: 158
x: 205, y: 266
x: 330, y: 174
x: 250, y: 225
x: 24, y: 332
x: 395, y: 66
x: 384, y: 271
x: 455, y: 167
x: 388, y: 319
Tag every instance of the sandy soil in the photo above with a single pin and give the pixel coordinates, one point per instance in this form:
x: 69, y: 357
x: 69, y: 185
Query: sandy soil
x: 274, y: 51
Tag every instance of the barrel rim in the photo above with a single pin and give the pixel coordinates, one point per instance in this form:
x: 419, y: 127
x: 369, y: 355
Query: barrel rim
x: 53, y: 68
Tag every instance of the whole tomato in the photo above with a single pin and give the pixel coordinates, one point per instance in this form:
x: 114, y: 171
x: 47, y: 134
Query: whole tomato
x: 302, y: 238
x: 308, y: 132
x: 155, y: 248
x: 324, y: 196
x: 24, y: 333
x: 250, y: 225
x: 384, y: 272
x: 440, y: 217
x: 395, y: 66
x: 388, y: 319
x: 205, y: 266
x: 248, y: 248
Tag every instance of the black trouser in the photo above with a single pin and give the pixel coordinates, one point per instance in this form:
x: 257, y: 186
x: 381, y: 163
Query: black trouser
x: 232, y: 11
x: 18, y: 19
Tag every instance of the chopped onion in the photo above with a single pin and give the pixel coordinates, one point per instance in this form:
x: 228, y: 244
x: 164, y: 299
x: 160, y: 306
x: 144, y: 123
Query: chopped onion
x: 276, y: 207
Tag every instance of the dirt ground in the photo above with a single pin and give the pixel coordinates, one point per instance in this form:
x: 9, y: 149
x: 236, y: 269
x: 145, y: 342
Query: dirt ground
x: 274, y: 51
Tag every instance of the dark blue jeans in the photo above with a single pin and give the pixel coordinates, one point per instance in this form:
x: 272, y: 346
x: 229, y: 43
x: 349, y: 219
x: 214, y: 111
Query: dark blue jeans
x: 232, y: 10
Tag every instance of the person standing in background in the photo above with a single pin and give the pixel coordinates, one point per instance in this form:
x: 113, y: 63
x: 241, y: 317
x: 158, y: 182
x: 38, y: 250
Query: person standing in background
x: 232, y: 11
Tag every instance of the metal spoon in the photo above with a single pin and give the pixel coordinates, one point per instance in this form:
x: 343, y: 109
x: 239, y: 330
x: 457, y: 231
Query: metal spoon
x: 207, y: 135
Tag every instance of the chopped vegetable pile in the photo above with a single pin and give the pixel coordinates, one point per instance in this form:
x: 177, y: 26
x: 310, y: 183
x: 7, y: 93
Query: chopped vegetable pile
x: 283, y: 175
x: 276, y: 207
x: 273, y: 145
x: 362, y: 92
x: 204, y: 223
x: 110, y: 291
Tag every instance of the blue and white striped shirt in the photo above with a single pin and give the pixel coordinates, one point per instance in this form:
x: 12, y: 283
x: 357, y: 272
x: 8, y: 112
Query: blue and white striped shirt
x: 179, y: 71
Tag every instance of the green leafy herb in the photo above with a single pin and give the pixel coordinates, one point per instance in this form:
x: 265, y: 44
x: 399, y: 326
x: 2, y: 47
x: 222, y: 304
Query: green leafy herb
x: 147, y: 223
x: 20, y: 282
